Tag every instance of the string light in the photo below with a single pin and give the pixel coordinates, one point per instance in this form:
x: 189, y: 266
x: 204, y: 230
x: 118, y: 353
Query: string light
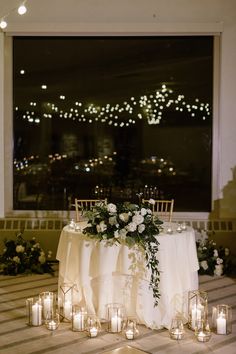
x: 21, y: 10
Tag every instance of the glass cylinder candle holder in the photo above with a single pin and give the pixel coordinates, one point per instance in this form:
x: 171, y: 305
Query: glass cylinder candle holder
x: 48, y: 301
x: 52, y: 320
x: 34, y: 311
x: 203, y: 331
x: 93, y: 326
x: 79, y: 318
x: 177, y: 328
x: 222, y: 319
x: 197, y: 307
x: 65, y: 301
x: 130, y: 328
x: 72, y: 224
x: 115, y: 316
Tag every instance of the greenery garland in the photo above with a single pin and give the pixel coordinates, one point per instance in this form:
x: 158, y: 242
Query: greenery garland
x: 132, y: 225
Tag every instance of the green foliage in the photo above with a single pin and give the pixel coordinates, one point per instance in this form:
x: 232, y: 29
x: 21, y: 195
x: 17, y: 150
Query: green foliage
x: 24, y: 256
x: 130, y: 224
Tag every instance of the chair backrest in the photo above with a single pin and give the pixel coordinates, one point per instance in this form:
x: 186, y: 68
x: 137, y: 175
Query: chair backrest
x: 163, y: 208
x: 84, y: 205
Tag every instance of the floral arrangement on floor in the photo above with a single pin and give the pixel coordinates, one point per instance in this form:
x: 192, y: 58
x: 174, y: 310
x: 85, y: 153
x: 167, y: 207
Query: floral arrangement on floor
x: 213, y: 260
x: 131, y: 224
x: 24, y: 256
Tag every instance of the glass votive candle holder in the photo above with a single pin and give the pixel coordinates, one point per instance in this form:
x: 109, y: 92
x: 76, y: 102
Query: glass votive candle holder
x: 79, y: 318
x: 177, y: 328
x: 222, y: 319
x: 203, y: 331
x: 52, y: 321
x: 72, y: 224
x: 93, y: 326
x: 65, y: 301
x: 179, y: 228
x: 183, y: 226
x: 115, y: 316
x: 130, y: 328
x: 197, y: 307
x: 34, y: 311
x: 48, y: 301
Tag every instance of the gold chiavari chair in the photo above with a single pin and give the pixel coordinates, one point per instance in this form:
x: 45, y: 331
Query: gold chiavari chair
x: 84, y: 205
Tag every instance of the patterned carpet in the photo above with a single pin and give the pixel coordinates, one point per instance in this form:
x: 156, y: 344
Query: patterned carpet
x: 17, y: 337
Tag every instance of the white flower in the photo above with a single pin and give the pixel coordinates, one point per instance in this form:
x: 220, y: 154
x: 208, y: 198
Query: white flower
x: 4, y: 250
x: 143, y: 211
x: 204, y: 265
x: 218, y: 269
x: 123, y: 233
x: 227, y: 251
x: 149, y: 211
x: 112, y: 220
x: 204, y: 248
x: 101, y: 227
x: 151, y: 201
x: 16, y: 259
x: 124, y: 217
x: 138, y: 219
x: 141, y: 228
x: 111, y: 208
x: 131, y: 227
x: 116, y: 234
x: 42, y: 259
x: 20, y: 249
x: 215, y: 253
x: 219, y: 260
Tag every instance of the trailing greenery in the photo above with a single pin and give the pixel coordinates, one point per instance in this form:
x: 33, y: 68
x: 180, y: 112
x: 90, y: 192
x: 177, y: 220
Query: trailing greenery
x: 131, y: 224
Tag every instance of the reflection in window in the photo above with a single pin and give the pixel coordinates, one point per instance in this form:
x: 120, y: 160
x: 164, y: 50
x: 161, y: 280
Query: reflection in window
x: 112, y: 117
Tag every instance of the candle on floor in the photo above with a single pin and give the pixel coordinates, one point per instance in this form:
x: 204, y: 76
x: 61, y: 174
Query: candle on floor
x: 129, y: 334
x: 36, y: 314
x: 78, y: 322
x: 67, y: 309
x: 93, y: 332
x: 116, y: 324
x: 221, y: 324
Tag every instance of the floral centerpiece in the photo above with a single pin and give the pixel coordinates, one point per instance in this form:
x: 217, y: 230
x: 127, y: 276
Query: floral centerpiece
x: 213, y: 260
x: 24, y: 256
x: 131, y: 224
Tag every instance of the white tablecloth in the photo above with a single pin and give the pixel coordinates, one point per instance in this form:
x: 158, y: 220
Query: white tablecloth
x: 116, y: 274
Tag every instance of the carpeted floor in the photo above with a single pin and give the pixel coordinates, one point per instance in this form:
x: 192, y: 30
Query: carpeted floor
x: 17, y: 337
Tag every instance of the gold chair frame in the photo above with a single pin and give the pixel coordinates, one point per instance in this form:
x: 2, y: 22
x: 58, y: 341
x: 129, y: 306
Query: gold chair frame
x: 163, y: 208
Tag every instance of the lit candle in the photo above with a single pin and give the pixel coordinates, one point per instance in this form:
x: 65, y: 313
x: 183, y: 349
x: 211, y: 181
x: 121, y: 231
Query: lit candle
x: 52, y: 325
x: 176, y: 334
x: 36, y: 314
x: 93, y: 332
x: 221, y: 324
x: 78, y: 322
x: 116, y: 324
x: 201, y: 337
x: 47, y: 305
x: 129, y: 334
x: 67, y: 309
x: 196, y: 315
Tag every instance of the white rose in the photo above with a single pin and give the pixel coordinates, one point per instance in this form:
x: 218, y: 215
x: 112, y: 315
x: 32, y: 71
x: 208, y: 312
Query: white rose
x: 219, y: 260
x: 111, y: 208
x: 218, y: 269
x: 123, y: 233
x: 143, y: 211
x: 124, y: 217
x: 204, y: 265
x: 141, y: 228
x: 42, y: 259
x: 112, y: 220
x: 138, y: 219
x: 215, y: 253
x: 151, y: 201
x: 131, y: 227
x: 116, y: 234
x: 149, y: 211
x: 101, y: 227
x: 20, y: 249
x: 16, y: 259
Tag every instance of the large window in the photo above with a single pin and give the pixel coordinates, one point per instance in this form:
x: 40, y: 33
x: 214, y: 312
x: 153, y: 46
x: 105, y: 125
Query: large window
x: 112, y: 117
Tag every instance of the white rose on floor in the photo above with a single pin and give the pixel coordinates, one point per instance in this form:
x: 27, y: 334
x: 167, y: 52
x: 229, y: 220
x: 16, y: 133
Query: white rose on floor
x: 204, y: 265
x: 20, y: 249
x: 131, y: 227
x: 141, y: 228
x: 138, y: 219
x: 16, y: 259
x: 218, y: 269
x: 101, y: 227
x: 111, y: 208
x: 42, y: 259
x: 124, y: 217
